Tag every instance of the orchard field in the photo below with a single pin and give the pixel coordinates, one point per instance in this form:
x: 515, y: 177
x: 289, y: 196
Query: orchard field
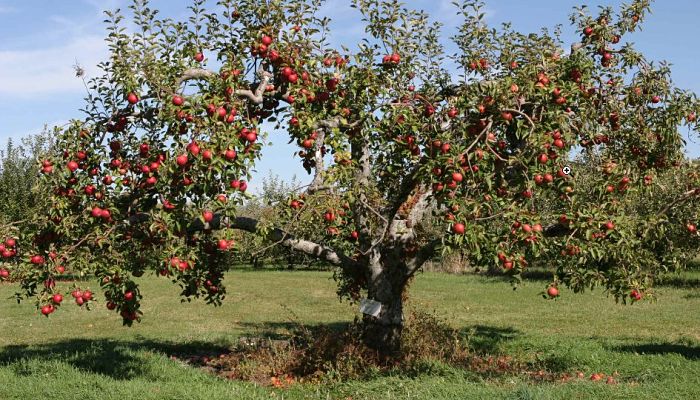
x: 651, y: 349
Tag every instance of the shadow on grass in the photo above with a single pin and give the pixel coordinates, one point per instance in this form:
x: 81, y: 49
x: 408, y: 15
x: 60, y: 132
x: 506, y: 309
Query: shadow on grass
x: 281, y: 267
x: 679, y: 282
x: 485, y: 339
x: 120, y: 360
x: 138, y: 359
x: 536, y: 274
x: 286, y: 330
x: 688, y: 351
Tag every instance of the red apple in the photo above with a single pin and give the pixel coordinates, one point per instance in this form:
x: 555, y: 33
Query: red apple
x: 96, y: 212
x: 36, y: 260
x: 553, y: 291
x: 132, y: 98
x: 193, y: 147
x: 458, y: 228
x: 181, y: 160
x: 57, y: 298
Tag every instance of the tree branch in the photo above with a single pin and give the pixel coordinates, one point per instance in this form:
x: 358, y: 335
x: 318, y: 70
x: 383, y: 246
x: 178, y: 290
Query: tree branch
x: 408, y: 184
x: 278, y: 235
x: 285, y: 239
x: 414, y: 218
x: 195, y: 73
x: 527, y: 117
x: 254, y: 96
x: 687, y: 195
x: 359, y: 150
x: 319, y: 168
x: 257, y: 96
x: 424, y: 254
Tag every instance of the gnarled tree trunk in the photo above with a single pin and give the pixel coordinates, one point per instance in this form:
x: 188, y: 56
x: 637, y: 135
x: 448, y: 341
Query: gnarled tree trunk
x: 387, y: 278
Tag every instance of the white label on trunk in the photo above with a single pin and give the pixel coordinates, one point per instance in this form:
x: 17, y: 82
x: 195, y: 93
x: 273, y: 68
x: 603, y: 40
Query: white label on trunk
x: 370, y: 307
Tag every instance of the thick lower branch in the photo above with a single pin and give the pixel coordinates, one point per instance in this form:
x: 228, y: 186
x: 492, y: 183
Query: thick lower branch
x: 424, y: 254
x: 251, y: 225
x: 406, y: 187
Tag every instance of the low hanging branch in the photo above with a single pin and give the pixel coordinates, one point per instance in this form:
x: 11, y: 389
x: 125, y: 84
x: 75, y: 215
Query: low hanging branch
x: 276, y: 235
x: 285, y: 239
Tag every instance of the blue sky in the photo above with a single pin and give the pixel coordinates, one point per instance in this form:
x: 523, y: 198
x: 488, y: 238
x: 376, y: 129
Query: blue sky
x: 43, y: 39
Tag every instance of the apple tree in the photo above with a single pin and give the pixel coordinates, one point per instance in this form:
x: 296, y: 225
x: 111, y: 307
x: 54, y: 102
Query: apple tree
x: 393, y: 130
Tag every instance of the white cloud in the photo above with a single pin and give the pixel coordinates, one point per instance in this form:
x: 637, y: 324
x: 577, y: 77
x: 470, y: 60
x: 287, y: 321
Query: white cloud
x: 37, y: 72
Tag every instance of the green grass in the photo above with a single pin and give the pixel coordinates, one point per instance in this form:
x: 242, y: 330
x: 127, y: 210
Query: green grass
x: 655, y: 347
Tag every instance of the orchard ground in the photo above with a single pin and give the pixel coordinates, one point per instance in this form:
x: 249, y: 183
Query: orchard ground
x: 653, y: 347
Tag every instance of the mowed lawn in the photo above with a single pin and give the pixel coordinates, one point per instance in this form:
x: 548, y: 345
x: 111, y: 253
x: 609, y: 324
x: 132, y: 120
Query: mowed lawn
x: 78, y: 354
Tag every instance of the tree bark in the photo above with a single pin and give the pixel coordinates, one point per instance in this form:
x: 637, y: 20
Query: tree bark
x: 386, y: 285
